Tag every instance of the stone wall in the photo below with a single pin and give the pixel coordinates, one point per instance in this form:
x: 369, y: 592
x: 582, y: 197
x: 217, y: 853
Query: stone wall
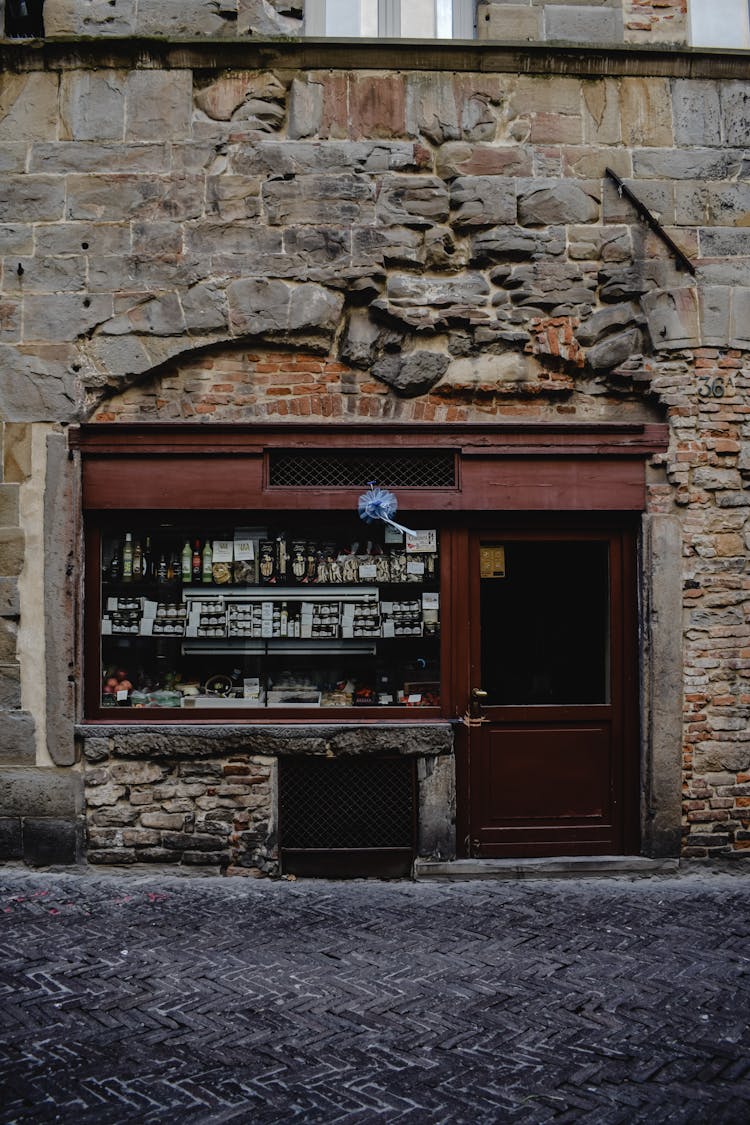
x: 207, y: 797
x: 607, y: 21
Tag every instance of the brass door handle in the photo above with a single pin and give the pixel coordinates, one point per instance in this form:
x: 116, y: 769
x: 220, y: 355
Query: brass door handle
x: 477, y: 697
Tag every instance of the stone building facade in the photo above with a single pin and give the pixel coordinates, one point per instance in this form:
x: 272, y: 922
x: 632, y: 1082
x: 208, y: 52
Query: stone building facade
x: 208, y: 217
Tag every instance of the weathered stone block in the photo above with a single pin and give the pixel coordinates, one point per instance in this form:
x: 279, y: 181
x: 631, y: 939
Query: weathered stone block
x: 10, y: 605
x: 17, y: 238
x: 579, y: 24
x: 91, y: 157
x: 233, y: 197
x: 195, y: 841
x: 458, y: 158
x: 319, y: 200
x: 136, y: 773
x: 724, y: 242
x: 63, y: 316
x: 113, y: 198
x: 12, y: 548
x: 413, y: 201
x: 482, y: 201
x: 263, y: 306
x: 305, y: 108
x: 672, y: 318
x: 615, y: 349
x: 40, y: 792
x: 10, y: 687
x: 158, y: 103
x: 687, y: 164
x: 9, y: 505
x: 258, y: 100
x: 601, y: 115
x: 171, y: 821
x: 11, y: 843
x: 735, y: 112
x: 514, y: 244
x: 715, y: 302
x: 511, y: 23
x: 97, y: 17
x: 8, y: 646
x: 34, y: 388
x: 32, y: 199
x: 116, y: 816
x: 28, y: 107
x: 559, y: 202
x: 92, y: 106
x: 105, y: 795
x: 50, y: 842
x: 696, y: 112
x: 432, y: 108
x: 739, y: 334
x: 412, y: 374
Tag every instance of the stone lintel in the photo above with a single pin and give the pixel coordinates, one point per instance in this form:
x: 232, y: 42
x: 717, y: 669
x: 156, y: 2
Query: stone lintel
x: 182, y: 741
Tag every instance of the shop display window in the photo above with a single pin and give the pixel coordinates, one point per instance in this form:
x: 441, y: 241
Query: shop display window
x: 217, y: 613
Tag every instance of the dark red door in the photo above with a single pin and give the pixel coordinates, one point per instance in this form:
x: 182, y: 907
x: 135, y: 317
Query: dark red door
x: 553, y: 746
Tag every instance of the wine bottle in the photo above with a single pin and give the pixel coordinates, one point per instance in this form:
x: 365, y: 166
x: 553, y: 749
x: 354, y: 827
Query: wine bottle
x: 127, y: 558
x: 137, y: 561
x: 196, y: 562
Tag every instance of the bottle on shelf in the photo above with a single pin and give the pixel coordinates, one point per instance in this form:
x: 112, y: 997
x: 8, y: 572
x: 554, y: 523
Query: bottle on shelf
x: 115, y: 564
x: 148, y: 561
x: 127, y: 558
x: 137, y: 561
x: 187, y: 562
x: 207, y: 573
x: 172, y: 567
x: 196, y: 563
x: 161, y: 570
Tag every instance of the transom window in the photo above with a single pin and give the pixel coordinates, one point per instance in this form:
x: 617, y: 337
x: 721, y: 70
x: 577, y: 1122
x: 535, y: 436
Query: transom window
x: 390, y: 19
x: 720, y: 23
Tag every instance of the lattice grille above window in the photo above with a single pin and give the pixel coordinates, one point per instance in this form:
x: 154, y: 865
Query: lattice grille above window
x: 323, y: 469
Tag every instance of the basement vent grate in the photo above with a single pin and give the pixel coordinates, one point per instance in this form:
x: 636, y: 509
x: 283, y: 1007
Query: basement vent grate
x: 331, y: 803
x: 411, y: 469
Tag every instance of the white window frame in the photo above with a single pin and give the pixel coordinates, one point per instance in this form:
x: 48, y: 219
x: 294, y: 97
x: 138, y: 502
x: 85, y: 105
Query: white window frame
x: 389, y: 18
x: 719, y: 23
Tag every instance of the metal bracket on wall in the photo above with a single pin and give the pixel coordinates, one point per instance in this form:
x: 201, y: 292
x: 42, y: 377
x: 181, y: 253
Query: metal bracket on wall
x: 681, y: 257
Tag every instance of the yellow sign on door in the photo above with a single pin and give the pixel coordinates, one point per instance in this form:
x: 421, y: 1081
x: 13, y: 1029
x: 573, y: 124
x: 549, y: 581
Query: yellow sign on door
x: 491, y: 561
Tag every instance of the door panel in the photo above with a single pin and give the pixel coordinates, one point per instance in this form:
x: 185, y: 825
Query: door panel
x: 552, y: 624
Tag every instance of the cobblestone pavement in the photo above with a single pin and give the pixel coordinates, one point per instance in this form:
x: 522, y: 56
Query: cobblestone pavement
x: 161, y: 999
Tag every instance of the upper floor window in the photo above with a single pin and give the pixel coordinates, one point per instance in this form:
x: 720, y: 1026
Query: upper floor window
x: 391, y: 19
x: 23, y: 19
x: 720, y: 23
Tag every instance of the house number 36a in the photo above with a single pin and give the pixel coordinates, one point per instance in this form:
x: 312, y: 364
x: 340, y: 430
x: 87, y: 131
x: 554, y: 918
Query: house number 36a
x: 715, y: 386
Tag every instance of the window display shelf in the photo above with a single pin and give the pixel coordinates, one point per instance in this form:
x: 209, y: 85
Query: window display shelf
x: 257, y: 629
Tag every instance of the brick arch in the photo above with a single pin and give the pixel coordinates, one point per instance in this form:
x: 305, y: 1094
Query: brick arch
x: 261, y: 382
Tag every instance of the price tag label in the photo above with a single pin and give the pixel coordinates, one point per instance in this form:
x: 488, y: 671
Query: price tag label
x: 244, y: 551
x: 421, y: 543
x: 415, y: 566
x: 415, y: 699
x: 222, y: 550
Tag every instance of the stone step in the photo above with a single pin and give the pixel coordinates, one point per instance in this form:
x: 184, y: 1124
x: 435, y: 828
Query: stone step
x: 556, y: 867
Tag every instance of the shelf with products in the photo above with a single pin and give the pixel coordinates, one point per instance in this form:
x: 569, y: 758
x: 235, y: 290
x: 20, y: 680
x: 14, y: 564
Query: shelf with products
x: 170, y: 639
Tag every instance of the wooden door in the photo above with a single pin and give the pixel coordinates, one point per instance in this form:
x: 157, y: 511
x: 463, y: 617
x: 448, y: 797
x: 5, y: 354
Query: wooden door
x: 553, y: 743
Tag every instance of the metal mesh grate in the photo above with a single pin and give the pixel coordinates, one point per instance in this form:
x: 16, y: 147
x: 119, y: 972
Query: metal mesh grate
x: 408, y: 469
x: 346, y: 802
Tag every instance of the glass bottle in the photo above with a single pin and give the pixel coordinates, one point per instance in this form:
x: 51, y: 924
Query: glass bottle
x: 196, y: 562
x: 137, y: 561
x: 148, y: 560
x: 161, y: 572
x: 127, y: 558
x: 187, y: 562
x: 115, y: 565
x: 207, y: 572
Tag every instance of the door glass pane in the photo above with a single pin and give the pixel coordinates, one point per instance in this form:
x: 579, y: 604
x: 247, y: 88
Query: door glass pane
x: 545, y: 622
x: 418, y: 19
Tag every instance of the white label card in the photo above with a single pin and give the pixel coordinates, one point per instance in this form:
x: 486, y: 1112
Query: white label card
x: 415, y: 699
x: 368, y: 570
x: 223, y: 550
x: 431, y: 600
x: 415, y: 566
x: 244, y: 550
x: 421, y: 543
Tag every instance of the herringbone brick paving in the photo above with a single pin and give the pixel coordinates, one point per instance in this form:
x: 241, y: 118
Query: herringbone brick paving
x: 160, y: 999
